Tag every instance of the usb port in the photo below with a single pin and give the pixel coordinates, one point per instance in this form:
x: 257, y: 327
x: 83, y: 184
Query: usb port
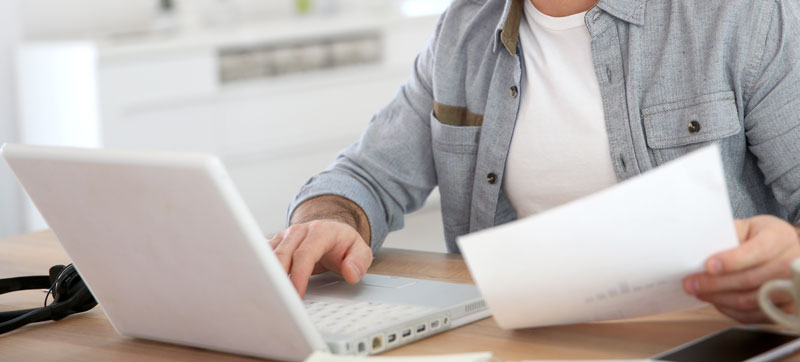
x: 435, y: 324
x: 392, y: 337
x: 421, y: 328
x: 407, y: 333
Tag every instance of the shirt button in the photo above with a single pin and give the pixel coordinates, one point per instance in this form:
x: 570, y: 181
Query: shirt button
x: 596, y: 16
x: 694, y: 127
x: 514, y: 91
x: 491, y: 178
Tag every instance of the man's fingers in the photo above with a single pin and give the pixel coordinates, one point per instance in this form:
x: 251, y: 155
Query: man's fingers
x: 735, y: 282
x: 318, y: 242
x: 273, y: 243
x: 319, y: 269
x: 754, y: 316
x: 750, y: 254
x: 742, y: 300
x: 742, y: 229
x: 732, y: 278
x: 762, y: 238
x: 356, y: 262
x: 318, y: 246
x: 292, y: 238
x: 748, y: 317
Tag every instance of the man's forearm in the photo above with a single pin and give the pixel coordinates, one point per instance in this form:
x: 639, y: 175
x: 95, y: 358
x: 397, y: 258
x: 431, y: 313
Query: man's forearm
x: 333, y: 207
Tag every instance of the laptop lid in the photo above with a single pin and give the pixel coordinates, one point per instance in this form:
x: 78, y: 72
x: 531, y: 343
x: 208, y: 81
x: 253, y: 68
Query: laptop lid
x: 168, y: 248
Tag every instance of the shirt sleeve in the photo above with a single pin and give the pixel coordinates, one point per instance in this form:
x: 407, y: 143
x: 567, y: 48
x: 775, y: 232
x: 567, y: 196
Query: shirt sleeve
x: 772, y: 107
x: 390, y: 171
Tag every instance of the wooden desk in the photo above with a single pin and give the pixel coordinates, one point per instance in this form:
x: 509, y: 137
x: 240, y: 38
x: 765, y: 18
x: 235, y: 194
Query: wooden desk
x: 89, y: 336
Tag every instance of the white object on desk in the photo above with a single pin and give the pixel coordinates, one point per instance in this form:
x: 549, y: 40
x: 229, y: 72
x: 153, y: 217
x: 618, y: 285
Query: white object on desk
x: 464, y: 357
x: 620, y: 253
x: 164, y: 213
x: 594, y: 360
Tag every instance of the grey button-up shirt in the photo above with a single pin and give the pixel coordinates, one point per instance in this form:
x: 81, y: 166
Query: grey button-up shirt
x: 674, y: 75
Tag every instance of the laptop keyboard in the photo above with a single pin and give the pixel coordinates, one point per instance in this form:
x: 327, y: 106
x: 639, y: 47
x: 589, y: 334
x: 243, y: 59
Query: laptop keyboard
x: 332, y: 317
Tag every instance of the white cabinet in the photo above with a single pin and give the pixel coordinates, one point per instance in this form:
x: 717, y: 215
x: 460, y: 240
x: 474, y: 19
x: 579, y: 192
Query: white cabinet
x: 273, y: 128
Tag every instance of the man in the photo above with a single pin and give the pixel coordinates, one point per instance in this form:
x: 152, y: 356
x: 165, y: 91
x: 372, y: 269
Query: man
x: 518, y: 106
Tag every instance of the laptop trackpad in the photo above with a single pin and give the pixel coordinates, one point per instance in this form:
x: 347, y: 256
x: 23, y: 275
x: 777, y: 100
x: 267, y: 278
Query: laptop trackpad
x: 333, y: 281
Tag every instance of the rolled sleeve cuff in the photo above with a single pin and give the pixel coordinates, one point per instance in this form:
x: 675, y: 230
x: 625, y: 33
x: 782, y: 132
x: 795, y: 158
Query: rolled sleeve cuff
x: 347, y: 186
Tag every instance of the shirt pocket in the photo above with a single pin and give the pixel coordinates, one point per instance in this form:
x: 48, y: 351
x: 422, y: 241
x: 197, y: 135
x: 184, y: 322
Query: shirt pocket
x: 454, y: 139
x: 455, y: 151
x: 675, y: 129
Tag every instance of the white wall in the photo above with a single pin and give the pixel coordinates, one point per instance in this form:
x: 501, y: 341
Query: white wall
x: 66, y: 18
x: 47, y: 19
x: 10, y: 210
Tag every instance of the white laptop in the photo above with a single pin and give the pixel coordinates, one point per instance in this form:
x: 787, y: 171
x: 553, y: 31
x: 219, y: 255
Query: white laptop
x: 170, y: 251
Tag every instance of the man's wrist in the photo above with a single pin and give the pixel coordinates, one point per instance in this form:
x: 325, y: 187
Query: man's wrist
x: 336, y: 208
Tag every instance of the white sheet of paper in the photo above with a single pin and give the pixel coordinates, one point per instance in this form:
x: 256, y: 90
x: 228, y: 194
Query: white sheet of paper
x: 619, y: 253
x: 593, y: 360
x: 464, y: 357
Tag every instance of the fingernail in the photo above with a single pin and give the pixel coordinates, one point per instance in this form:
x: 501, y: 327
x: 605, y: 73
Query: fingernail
x: 356, y: 268
x: 715, y: 266
x: 694, y: 286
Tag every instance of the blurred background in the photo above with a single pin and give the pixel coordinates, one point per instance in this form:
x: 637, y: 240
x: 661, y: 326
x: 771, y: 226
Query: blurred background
x: 275, y: 88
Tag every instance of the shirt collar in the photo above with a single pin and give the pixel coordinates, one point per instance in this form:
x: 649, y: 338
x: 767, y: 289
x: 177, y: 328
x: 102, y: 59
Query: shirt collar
x: 507, y: 30
x: 631, y: 11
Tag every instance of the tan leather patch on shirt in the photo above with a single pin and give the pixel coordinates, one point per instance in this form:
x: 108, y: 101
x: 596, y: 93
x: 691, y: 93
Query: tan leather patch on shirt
x: 456, y: 116
x: 510, y: 34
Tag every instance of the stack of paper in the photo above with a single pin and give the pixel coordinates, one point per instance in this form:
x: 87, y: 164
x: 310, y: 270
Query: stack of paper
x: 620, y: 253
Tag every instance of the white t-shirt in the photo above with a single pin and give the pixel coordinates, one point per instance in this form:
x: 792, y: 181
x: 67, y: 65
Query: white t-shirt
x: 559, y: 151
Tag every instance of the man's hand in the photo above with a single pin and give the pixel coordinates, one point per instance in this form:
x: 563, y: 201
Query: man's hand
x: 319, y: 246
x: 327, y: 234
x: 732, y: 278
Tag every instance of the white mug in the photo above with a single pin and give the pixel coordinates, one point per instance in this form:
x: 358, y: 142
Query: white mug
x: 791, y: 287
